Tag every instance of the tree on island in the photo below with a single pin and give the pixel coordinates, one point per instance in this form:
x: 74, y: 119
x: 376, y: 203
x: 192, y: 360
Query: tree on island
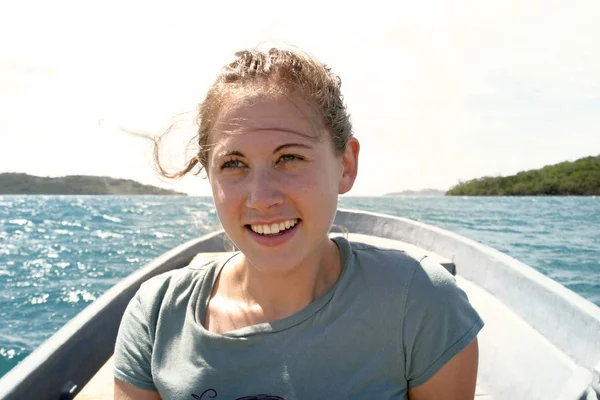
x: 17, y: 183
x: 576, y: 178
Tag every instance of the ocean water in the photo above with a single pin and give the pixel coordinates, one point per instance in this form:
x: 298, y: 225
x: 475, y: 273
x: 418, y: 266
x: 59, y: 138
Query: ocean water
x: 60, y: 253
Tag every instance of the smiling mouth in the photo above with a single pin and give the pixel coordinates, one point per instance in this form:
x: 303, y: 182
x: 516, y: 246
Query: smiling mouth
x: 273, y: 229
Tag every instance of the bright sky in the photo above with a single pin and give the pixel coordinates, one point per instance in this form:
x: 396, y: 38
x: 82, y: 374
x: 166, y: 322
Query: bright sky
x: 439, y: 91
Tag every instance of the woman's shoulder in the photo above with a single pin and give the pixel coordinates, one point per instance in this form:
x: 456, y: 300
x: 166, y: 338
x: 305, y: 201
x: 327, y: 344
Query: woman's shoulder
x: 392, y: 267
x: 178, y: 281
x: 378, y: 260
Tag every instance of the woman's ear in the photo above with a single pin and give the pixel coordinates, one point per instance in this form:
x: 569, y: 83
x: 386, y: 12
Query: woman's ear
x: 349, y: 165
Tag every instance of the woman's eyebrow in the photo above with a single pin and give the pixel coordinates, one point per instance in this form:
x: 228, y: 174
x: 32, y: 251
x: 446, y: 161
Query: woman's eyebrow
x: 287, y: 145
x: 231, y: 153
x: 238, y: 153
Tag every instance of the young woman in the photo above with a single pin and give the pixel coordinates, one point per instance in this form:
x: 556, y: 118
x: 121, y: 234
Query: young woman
x: 292, y: 314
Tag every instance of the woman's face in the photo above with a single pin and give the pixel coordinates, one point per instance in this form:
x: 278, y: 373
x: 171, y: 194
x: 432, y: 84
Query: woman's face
x: 275, y: 181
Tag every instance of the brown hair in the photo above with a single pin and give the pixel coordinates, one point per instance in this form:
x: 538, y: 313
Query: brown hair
x: 285, y: 71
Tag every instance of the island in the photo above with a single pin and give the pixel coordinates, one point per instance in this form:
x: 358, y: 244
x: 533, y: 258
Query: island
x: 423, y: 192
x: 19, y: 183
x: 570, y: 178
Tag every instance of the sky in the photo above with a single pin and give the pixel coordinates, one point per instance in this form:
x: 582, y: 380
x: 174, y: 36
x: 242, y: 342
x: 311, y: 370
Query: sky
x: 439, y: 92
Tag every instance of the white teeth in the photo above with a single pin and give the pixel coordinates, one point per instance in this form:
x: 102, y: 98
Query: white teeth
x: 273, y: 229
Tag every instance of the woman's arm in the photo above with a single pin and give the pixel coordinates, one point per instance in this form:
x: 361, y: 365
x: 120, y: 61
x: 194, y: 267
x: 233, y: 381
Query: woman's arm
x: 125, y: 391
x: 454, y: 381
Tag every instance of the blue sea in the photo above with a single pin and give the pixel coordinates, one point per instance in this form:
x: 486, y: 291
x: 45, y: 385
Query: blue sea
x: 60, y: 253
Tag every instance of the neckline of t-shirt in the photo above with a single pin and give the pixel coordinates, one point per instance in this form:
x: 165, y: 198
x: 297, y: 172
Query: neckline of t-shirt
x: 285, y: 323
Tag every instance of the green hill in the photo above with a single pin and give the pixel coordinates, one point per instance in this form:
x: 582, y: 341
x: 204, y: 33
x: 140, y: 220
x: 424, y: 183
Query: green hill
x: 577, y: 178
x: 16, y: 183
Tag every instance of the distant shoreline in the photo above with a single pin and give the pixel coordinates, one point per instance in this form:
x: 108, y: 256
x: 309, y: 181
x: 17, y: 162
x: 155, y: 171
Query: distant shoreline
x: 577, y: 178
x: 423, y: 193
x: 24, y: 184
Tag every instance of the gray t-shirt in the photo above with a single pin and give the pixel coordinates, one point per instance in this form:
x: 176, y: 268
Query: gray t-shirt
x: 389, y: 323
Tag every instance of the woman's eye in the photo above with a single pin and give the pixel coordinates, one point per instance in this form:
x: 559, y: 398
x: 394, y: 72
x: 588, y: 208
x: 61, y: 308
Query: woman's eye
x: 287, y: 158
x: 232, y: 164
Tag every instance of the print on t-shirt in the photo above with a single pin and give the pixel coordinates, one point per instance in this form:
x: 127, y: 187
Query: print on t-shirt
x: 212, y: 394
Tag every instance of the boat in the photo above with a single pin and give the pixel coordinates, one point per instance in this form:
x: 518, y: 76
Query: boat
x: 541, y: 340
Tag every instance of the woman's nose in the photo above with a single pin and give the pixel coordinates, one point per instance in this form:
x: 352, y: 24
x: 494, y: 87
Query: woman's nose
x: 263, y: 190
